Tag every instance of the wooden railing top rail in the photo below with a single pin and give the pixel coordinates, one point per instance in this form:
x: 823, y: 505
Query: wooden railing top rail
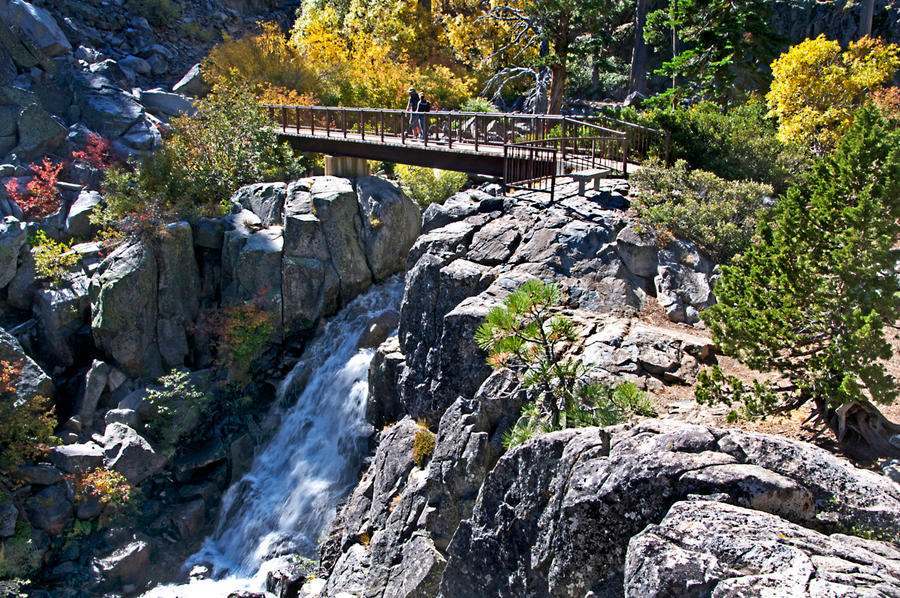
x: 556, y: 118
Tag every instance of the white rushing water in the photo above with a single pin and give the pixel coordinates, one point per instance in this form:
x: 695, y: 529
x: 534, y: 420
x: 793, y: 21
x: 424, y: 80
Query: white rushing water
x: 289, y: 498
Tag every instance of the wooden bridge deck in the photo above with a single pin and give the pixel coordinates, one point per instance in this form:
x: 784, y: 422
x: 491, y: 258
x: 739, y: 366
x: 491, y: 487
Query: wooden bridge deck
x: 435, y: 153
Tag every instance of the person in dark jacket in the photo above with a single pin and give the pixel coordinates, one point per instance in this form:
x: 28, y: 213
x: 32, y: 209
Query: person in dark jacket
x: 424, y: 106
x: 412, y: 106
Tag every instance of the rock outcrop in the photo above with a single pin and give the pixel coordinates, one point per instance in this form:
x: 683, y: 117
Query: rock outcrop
x: 661, y: 508
x: 476, y: 249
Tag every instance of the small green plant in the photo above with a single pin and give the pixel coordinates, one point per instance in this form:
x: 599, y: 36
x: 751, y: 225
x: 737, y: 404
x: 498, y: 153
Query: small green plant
x: 196, y: 32
x: 423, y: 446
x: 429, y: 185
x: 525, y: 335
x: 177, y: 408
x: 242, y: 331
x: 18, y: 558
x: 157, y: 12
x: 26, y: 423
x: 718, y: 215
x: 598, y: 405
x: 53, y: 260
x: 106, y: 485
x: 478, y: 105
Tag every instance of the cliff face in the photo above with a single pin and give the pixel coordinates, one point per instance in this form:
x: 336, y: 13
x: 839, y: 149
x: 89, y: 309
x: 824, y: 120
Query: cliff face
x: 656, y: 508
x: 300, y: 250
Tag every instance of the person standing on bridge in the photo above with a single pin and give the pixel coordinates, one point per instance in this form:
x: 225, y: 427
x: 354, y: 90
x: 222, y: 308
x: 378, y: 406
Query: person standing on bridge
x: 424, y: 106
x: 412, y: 106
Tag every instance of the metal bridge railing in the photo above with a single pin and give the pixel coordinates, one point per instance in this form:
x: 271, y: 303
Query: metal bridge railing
x: 448, y: 128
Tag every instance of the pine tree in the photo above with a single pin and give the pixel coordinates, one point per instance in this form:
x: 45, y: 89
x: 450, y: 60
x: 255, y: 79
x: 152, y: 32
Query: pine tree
x: 811, y: 298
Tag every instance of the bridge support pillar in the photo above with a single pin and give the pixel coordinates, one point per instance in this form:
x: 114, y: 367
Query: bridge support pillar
x: 346, y: 167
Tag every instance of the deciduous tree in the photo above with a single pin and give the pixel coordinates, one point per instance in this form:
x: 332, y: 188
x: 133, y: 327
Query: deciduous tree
x: 816, y: 87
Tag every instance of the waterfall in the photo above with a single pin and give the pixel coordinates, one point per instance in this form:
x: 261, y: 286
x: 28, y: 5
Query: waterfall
x: 290, y: 496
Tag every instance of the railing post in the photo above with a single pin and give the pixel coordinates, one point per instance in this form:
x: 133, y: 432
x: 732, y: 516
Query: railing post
x: 381, y: 124
x: 344, y: 121
x: 284, y: 118
x: 625, y: 156
x: 476, y: 132
x: 312, y: 121
x: 327, y: 124
x: 668, y: 139
x: 361, y: 125
x: 297, y: 117
x: 505, y: 130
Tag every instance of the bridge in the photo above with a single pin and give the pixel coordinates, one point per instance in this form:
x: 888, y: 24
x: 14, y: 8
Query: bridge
x: 522, y: 149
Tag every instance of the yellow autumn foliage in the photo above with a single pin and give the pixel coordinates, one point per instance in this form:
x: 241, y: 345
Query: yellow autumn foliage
x: 324, y: 62
x: 816, y: 87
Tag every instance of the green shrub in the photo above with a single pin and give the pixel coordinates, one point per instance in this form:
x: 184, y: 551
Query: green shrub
x: 53, y: 260
x: 423, y: 446
x: 429, y: 185
x: 809, y: 302
x: 18, y: 558
x: 196, y: 32
x: 226, y: 143
x: 158, y: 12
x: 177, y: 409
x: 596, y: 405
x: 737, y: 145
x: 717, y: 214
x: 478, y: 105
x: 26, y: 423
x: 525, y: 335
x: 241, y: 331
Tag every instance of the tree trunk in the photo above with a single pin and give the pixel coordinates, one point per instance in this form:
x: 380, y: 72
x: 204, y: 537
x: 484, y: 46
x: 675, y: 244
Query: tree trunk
x: 861, y: 430
x: 638, y: 79
x: 865, y: 17
x: 557, y: 87
x: 425, y: 5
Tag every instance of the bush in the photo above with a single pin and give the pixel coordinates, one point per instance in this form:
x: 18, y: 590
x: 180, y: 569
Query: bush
x: 423, y: 446
x: 478, y: 105
x: 106, y: 485
x: 53, y: 260
x: 26, y: 423
x: 738, y: 145
x: 97, y: 152
x: 18, y: 558
x: 177, y: 409
x: 526, y: 336
x: 41, y: 197
x: 598, y: 405
x: 429, y: 185
x: 158, y: 12
x: 206, y: 157
x: 718, y: 215
x: 242, y: 331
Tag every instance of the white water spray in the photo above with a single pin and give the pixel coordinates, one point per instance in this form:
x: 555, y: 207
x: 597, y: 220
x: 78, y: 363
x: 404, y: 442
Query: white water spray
x: 290, y: 496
